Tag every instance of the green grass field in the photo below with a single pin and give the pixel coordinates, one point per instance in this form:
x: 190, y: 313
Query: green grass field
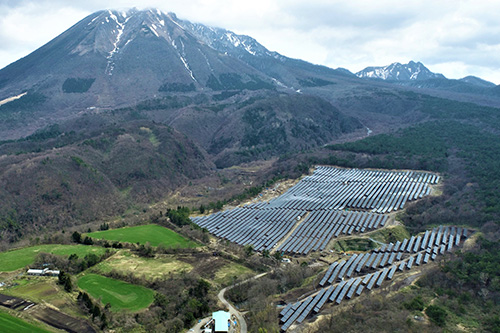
x: 152, y: 233
x: 11, y: 324
x: 120, y: 295
x: 15, y: 259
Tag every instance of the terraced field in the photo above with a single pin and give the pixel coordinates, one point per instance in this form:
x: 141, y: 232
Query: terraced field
x: 120, y: 295
x: 16, y: 259
x: 152, y: 233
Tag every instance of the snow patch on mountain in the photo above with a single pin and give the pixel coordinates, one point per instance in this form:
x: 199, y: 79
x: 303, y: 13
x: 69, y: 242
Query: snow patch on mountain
x: 119, y: 32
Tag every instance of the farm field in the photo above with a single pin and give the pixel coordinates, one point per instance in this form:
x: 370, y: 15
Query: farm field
x: 13, y: 324
x: 43, y: 290
x: 120, y: 295
x: 127, y: 263
x: 152, y: 233
x: 35, y: 289
x: 16, y: 259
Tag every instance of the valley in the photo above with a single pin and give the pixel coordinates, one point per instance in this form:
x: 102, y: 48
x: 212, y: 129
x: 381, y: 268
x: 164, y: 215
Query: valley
x: 128, y: 276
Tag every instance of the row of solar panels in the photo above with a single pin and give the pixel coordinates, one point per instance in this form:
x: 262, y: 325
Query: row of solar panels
x: 347, y: 288
x: 378, y: 191
x: 437, y: 236
x: 390, y: 253
x: 319, y: 227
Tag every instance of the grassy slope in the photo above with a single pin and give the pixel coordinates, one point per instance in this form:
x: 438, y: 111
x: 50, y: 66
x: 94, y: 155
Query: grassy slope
x: 119, y: 294
x: 227, y: 273
x: 151, y: 269
x: 152, y: 233
x: 12, y: 324
x: 15, y: 259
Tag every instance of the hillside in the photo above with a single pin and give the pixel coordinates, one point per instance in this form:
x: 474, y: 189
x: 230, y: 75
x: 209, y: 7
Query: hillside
x: 66, y: 176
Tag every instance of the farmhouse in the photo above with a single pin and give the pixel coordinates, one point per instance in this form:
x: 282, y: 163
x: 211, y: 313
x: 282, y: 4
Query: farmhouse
x: 222, y: 321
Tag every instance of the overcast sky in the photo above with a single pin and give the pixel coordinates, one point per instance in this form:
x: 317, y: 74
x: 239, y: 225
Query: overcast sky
x: 452, y: 37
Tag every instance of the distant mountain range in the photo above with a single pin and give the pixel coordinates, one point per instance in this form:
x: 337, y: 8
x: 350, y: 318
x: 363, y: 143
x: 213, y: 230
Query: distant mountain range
x: 413, y: 71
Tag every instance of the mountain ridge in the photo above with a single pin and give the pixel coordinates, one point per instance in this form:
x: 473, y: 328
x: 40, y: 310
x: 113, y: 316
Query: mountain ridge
x: 413, y: 71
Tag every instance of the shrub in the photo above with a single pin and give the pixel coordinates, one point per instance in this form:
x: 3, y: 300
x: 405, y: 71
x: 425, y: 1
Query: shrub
x: 416, y: 304
x: 436, y: 314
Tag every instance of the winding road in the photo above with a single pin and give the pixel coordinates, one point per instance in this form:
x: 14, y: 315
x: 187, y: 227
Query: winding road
x: 232, y: 310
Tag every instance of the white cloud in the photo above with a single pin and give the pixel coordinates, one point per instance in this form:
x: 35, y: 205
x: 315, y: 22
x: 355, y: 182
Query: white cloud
x: 456, y: 38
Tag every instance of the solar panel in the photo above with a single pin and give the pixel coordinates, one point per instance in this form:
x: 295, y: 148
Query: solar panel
x: 286, y: 309
x: 410, y: 262
x: 367, y: 278
x: 377, y: 260
x: 346, y: 266
x: 336, y: 272
x: 360, y: 289
x: 384, y: 259
x: 353, y: 287
x: 362, y: 262
x: 328, y: 273
x: 337, y: 291
x: 401, y: 266
x: 391, y: 272
x: 426, y: 258
x: 419, y: 259
x: 373, y: 279
x: 392, y: 257
x: 382, y: 277
x: 344, y: 290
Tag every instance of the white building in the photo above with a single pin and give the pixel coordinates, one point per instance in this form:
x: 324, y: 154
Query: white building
x: 43, y: 272
x: 222, y: 321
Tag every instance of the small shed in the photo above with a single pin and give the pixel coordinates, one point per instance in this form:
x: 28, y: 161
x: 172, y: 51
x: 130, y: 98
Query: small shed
x: 222, y: 321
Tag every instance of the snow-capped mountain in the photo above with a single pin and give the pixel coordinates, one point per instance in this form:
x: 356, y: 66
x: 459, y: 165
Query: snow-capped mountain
x: 116, y: 59
x: 413, y: 71
x: 136, y: 52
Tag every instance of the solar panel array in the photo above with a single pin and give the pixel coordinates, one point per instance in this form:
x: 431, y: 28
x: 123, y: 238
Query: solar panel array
x: 335, y: 188
x: 317, y: 203
x: 262, y: 228
x: 319, y: 227
x: 342, y: 285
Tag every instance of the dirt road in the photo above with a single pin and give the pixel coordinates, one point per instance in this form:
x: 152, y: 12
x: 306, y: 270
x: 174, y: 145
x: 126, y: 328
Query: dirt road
x: 232, y: 310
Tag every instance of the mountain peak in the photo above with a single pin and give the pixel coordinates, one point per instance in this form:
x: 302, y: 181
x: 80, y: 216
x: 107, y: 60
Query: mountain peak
x: 474, y: 80
x: 413, y: 71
